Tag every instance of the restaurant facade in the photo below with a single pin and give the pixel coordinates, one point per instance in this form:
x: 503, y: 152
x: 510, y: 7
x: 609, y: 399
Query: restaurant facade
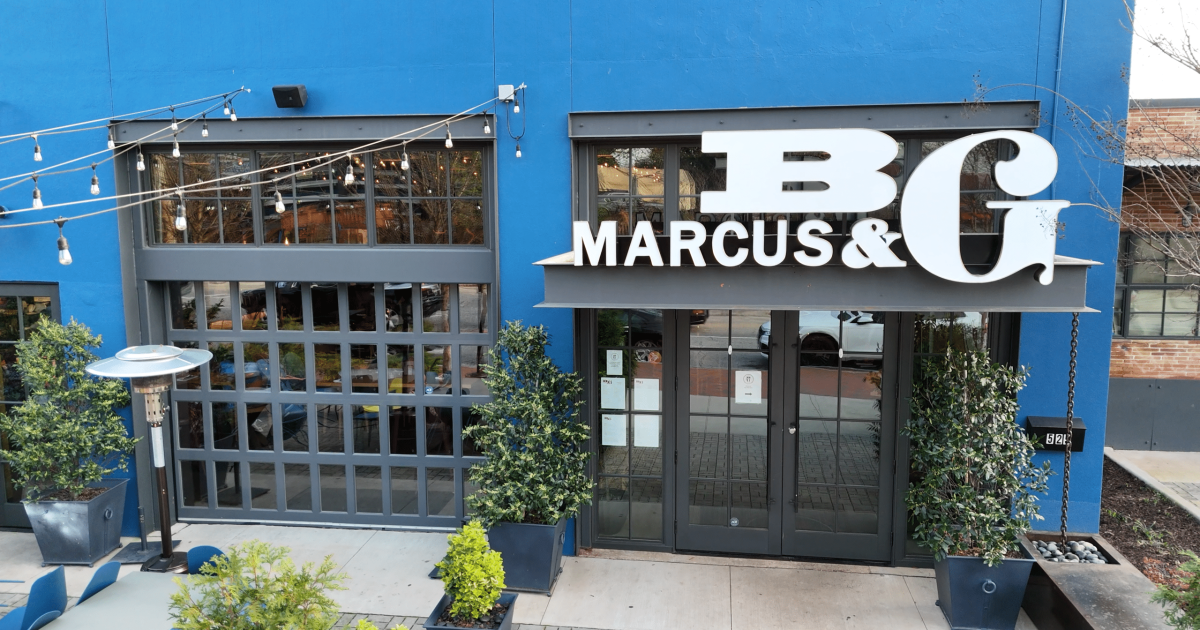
x: 742, y: 226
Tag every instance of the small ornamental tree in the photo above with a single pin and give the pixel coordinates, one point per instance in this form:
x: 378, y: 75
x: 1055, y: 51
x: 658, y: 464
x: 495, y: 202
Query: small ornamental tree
x: 257, y: 586
x: 67, y: 434
x: 473, y: 574
x: 975, y: 482
x: 535, y: 470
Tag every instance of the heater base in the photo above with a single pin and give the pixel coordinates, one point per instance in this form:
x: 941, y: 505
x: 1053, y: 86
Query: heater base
x: 177, y: 563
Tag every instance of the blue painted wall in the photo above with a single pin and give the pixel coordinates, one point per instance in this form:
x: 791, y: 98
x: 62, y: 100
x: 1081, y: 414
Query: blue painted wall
x: 67, y: 61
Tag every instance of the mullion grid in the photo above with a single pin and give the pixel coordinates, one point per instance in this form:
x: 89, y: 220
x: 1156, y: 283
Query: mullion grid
x: 243, y: 457
x: 1125, y: 288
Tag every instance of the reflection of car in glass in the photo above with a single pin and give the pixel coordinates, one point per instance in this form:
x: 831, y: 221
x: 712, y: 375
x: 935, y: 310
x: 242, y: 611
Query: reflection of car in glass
x: 698, y: 316
x: 861, y: 332
x: 646, y: 334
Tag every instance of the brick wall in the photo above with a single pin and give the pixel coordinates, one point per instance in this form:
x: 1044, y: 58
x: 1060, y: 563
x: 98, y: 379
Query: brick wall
x: 1155, y: 358
x: 1163, y: 132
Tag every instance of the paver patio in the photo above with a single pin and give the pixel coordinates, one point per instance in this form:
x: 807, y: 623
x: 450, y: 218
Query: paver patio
x: 606, y: 590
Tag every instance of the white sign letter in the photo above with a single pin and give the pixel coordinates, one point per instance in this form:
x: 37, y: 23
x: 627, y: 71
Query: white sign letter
x: 719, y: 252
x: 806, y: 238
x: 929, y: 210
x: 760, y: 240
x: 868, y: 245
x: 605, y: 243
x: 758, y: 174
x: 643, y: 244
x: 691, y: 245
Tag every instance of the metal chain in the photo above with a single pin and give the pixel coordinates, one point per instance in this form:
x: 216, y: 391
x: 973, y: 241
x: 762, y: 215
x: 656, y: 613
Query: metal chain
x: 1070, y: 417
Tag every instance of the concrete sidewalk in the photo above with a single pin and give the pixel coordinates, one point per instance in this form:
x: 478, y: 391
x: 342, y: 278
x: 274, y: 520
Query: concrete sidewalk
x: 608, y: 590
x: 1174, y: 474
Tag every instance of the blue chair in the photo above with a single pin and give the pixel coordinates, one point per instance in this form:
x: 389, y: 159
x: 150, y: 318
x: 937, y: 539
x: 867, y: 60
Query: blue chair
x: 105, y: 575
x: 47, y: 600
x: 199, y: 556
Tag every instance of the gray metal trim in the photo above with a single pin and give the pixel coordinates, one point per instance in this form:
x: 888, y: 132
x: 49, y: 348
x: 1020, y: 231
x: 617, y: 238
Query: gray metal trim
x: 34, y: 289
x: 1162, y: 103
x: 911, y: 117
x: 332, y: 263
x: 824, y: 288
x: 306, y: 129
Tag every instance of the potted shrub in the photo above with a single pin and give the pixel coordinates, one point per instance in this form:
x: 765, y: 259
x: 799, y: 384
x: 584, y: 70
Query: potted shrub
x: 972, y: 496
x: 256, y: 585
x: 64, y: 440
x: 535, y: 475
x: 473, y: 575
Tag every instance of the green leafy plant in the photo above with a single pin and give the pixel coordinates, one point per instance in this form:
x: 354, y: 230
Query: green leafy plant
x: 67, y: 434
x: 257, y: 586
x: 975, y: 482
x: 536, y: 467
x: 472, y: 573
x: 1182, y: 605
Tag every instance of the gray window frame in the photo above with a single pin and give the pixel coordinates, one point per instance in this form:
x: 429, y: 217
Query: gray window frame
x: 1123, y: 294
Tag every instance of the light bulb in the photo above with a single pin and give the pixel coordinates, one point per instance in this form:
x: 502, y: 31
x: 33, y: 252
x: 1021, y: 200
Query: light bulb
x: 349, y: 175
x: 37, y: 196
x: 141, y: 164
x: 181, y: 223
x: 112, y: 143
x: 174, y: 122
x: 404, y: 162
x: 175, y: 148
x: 516, y: 107
x: 95, y: 182
x: 487, y: 129
x: 232, y: 114
x: 279, y: 203
x: 37, y: 150
x: 64, y: 254
x: 204, y: 130
x: 227, y: 110
x: 518, y: 149
x: 449, y: 140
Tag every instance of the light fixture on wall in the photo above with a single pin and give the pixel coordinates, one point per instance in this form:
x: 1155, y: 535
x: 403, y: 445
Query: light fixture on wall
x: 64, y: 254
x: 149, y: 370
x: 290, y: 95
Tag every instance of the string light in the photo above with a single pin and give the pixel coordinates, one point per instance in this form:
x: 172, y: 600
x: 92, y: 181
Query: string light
x: 180, y: 219
x: 404, y: 161
x: 112, y: 142
x: 37, y: 194
x: 37, y: 150
x: 95, y: 181
x: 174, y: 122
x: 487, y: 129
x: 141, y: 163
x: 349, y: 173
x: 518, y: 149
x: 279, y: 209
x: 64, y: 254
x: 232, y: 114
x: 226, y: 110
x: 204, y: 128
x: 175, y: 146
x: 516, y: 105
x: 449, y: 140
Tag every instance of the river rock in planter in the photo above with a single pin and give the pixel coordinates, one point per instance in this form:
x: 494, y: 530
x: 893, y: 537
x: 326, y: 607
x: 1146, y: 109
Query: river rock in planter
x: 1080, y: 551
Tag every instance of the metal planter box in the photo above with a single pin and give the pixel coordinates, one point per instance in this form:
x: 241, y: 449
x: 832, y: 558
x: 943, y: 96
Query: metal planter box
x: 532, y: 554
x: 973, y: 595
x: 79, y: 532
x: 507, y: 599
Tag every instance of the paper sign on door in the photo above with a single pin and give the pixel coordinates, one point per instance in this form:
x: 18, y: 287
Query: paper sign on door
x: 749, y: 387
x: 645, y: 431
x: 612, y: 430
x: 616, y: 359
x: 645, y: 394
x: 612, y: 393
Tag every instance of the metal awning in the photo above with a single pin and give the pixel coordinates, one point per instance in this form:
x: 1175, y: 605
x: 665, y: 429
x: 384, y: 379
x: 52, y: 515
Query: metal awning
x: 831, y: 287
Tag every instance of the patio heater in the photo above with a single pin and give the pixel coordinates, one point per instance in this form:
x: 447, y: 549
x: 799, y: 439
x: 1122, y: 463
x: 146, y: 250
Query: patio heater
x: 149, y: 369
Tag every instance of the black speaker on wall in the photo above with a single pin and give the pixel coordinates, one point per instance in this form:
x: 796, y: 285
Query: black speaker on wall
x: 290, y: 95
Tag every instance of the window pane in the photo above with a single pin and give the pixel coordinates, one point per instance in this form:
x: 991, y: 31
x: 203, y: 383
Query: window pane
x: 295, y: 426
x: 330, y: 437
x: 225, y: 426
x: 397, y: 300
x: 368, y: 490
x: 235, y: 180
x: 404, y: 490
x: 328, y: 357
x: 237, y: 219
x: 10, y: 321
x: 188, y: 379
x: 9, y: 377
x: 203, y: 220
x: 194, y: 483
x: 439, y: 488
x: 392, y: 222
x: 465, y: 177
x: 316, y: 221
x: 473, y: 360
x: 35, y: 309
x: 182, y: 297
x: 858, y: 511
x: 217, y: 306
x: 351, y: 220
x: 1118, y: 312
x: 364, y: 369
x: 298, y: 484
x: 439, y: 431
x: 191, y: 425
x: 325, y: 307
x: 645, y: 518
x: 262, y: 486
x: 289, y: 308
x: 402, y: 427
x: 253, y: 302
x: 974, y: 215
x: 613, y: 507
x: 435, y: 307
x: 1179, y: 325
x: 391, y: 180
x: 438, y: 362
x: 467, y: 218
x: 1182, y: 300
x: 430, y: 224
x: 291, y: 367
x: 708, y: 503
x: 340, y: 167
x: 614, y: 209
x: 1144, y: 300
x: 699, y: 171
x: 470, y: 418
x: 428, y: 172
x: 261, y: 433
x: 1145, y: 325
x: 256, y: 362
x: 229, y: 484
x: 361, y: 299
x: 220, y: 368
x: 333, y: 488
x: 401, y: 377
x: 162, y: 224
x: 473, y: 308
x: 977, y: 167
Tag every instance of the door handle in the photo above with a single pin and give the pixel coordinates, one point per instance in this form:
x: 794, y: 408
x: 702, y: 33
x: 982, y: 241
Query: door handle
x: 792, y: 428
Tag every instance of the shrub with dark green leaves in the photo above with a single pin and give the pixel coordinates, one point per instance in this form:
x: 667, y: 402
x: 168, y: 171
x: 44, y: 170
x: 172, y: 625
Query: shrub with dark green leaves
x: 473, y: 574
x: 1182, y: 605
x: 536, y: 467
x: 67, y: 434
x: 974, y: 480
x: 256, y: 586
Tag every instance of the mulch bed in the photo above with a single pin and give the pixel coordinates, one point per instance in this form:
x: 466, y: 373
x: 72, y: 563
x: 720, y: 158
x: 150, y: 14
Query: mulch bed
x: 490, y: 621
x: 1145, y: 526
